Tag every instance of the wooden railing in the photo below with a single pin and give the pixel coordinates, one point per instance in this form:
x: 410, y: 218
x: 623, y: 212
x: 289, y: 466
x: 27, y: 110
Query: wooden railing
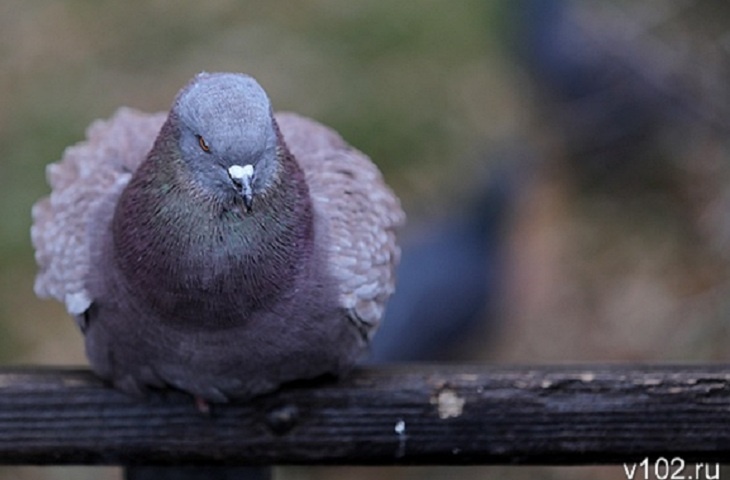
x: 414, y: 414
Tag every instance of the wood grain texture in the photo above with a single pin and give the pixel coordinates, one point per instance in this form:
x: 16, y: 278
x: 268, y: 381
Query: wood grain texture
x: 425, y: 414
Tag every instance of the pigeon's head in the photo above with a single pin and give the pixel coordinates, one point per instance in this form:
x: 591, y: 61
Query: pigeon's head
x: 226, y: 134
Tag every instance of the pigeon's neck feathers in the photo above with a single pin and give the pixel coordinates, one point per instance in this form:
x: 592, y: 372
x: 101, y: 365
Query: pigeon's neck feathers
x: 173, y: 239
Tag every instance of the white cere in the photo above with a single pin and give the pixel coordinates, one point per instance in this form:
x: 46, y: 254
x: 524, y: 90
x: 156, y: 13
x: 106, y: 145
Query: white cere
x: 239, y: 172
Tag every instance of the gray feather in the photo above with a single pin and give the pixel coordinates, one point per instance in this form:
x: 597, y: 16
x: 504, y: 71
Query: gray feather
x: 356, y: 210
x: 88, y: 173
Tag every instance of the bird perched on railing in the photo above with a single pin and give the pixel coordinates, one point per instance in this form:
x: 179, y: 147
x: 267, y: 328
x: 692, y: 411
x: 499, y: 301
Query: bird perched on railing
x: 218, y: 249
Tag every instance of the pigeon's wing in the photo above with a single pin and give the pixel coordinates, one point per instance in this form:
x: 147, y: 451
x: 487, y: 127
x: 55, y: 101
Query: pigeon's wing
x: 359, y: 212
x: 89, y: 173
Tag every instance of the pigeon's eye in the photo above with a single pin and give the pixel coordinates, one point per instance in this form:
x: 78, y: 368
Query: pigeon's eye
x: 203, y: 145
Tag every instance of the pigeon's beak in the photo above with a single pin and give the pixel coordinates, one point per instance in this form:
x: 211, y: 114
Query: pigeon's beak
x: 242, y: 177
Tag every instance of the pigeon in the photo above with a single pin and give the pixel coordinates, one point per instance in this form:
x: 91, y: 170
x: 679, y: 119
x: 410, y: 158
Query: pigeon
x: 220, y: 249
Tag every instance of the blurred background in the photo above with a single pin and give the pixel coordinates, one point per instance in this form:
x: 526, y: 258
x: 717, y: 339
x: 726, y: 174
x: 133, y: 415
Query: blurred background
x: 564, y: 165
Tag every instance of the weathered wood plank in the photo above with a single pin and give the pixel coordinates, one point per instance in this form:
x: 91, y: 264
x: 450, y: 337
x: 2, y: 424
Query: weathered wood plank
x: 450, y: 415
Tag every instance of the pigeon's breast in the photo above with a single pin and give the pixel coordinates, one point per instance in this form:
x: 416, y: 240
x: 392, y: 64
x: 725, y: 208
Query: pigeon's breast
x: 188, y: 262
